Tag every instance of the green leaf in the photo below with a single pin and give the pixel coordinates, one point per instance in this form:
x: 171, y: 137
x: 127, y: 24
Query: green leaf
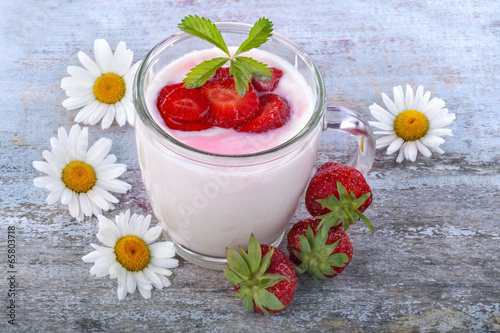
x: 304, y: 245
x: 256, y: 68
x: 204, y: 29
x: 254, y: 254
x: 248, y: 301
x: 241, y: 77
x: 237, y: 264
x: 367, y: 222
x: 258, y: 35
x: 268, y: 300
x: 266, y: 262
x: 232, y: 277
x: 203, y: 71
x: 338, y: 259
x: 361, y: 200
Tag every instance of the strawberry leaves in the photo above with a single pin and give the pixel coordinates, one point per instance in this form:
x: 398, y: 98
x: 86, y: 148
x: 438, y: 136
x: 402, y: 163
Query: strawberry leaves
x: 242, y: 68
x: 344, y: 210
x: 249, y: 273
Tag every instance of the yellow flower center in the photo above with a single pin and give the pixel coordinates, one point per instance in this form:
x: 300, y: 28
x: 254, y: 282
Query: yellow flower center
x: 411, y: 125
x: 79, y: 176
x: 132, y: 253
x: 109, y: 88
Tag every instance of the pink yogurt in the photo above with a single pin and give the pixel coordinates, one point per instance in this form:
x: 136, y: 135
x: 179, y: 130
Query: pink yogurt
x: 207, y: 203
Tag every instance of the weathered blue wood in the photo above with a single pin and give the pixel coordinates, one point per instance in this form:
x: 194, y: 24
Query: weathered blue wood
x: 432, y: 264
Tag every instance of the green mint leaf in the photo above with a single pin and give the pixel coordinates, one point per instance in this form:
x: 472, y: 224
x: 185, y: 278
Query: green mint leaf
x: 202, y: 72
x: 241, y: 77
x: 204, y: 29
x: 257, y: 69
x: 259, y: 34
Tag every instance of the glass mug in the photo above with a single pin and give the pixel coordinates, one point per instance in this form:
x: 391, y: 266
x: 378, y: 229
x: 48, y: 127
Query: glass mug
x: 207, y: 202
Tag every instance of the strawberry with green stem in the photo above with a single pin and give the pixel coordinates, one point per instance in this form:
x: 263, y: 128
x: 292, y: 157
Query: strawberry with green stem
x: 338, y: 194
x: 263, y: 277
x: 321, y: 254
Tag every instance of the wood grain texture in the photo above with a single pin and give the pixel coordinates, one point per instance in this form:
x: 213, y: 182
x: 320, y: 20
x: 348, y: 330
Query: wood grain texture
x: 432, y: 264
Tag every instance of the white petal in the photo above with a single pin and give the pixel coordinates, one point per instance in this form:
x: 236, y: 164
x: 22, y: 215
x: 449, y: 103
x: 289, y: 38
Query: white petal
x: 142, y: 280
x: 120, y: 114
x: 395, y: 145
x: 165, y: 281
x: 146, y: 293
x: 73, y: 82
x: 84, y: 114
x: 384, y: 141
x: 409, y: 98
x: 89, y: 64
x: 390, y: 105
x: 165, y: 262
x: 432, y: 140
x: 72, y: 103
x: 153, y: 278
x: 82, y: 74
x: 423, y: 101
x: 114, y: 185
x: 121, y: 291
x: 381, y: 115
x: 111, y: 171
x: 92, y: 256
x: 122, y: 62
x: 418, y: 97
x: 46, y: 168
x: 399, y: 99
x: 401, y: 155
x: 160, y: 270
x: 411, y: 151
x: 382, y: 126
x: 98, y: 200
x: 98, y: 113
x: 152, y: 234
x: 162, y: 250
x: 129, y: 110
x: 85, y: 204
x: 108, y: 118
x: 107, y: 236
x: 131, y: 282
x: 98, y: 151
x: 423, y: 149
x: 442, y: 122
x: 103, y: 55
x: 54, y: 197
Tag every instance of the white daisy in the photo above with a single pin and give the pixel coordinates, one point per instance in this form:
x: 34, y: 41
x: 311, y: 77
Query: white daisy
x: 78, y: 177
x: 130, y: 255
x: 413, y: 123
x: 103, y: 89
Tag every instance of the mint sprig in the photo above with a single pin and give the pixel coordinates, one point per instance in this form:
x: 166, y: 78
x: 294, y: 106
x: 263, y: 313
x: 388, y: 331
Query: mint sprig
x: 242, y: 68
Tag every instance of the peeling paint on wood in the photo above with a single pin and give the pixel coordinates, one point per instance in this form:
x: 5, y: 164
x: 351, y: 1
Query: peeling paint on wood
x: 432, y: 264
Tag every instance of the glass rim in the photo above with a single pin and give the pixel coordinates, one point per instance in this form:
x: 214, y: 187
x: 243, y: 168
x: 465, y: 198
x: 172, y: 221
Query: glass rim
x: 140, y: 100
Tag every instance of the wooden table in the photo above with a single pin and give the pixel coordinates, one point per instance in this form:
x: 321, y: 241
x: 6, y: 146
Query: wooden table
x: 431, y: 265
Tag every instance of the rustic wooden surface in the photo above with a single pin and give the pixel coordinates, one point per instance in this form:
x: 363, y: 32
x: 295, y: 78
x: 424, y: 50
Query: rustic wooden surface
x: 432, y: 264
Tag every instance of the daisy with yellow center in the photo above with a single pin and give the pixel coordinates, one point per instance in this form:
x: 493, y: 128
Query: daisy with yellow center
x: 81, y: 178
x: 413, y: 123
x: 130, y: 255
x: 103, y: 89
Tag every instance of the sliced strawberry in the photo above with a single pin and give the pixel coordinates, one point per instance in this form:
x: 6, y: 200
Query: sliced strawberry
x: 183, y: 104
x: 227, y: 109
x: 266, y: 86
x: 185, y: 125
x: 164, y: 92
x: 274, y: 112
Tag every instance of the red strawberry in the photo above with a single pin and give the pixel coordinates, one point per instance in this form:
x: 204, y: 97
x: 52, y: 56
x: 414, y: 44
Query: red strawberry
x: 274, y: 112
x: 322, y: 255
x: 338, y: 194
x: 183, y: 104
x: 266, y: 86
x: 186, y: 125
x: 263, y: 276
x: 227, y: 109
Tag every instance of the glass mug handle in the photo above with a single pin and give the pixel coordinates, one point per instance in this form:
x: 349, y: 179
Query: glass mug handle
x: 342, y: 119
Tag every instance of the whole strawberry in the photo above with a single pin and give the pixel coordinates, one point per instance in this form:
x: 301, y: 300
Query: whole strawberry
x: 263, y: 277
x: 338, y: 194
x: 322, y: 255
